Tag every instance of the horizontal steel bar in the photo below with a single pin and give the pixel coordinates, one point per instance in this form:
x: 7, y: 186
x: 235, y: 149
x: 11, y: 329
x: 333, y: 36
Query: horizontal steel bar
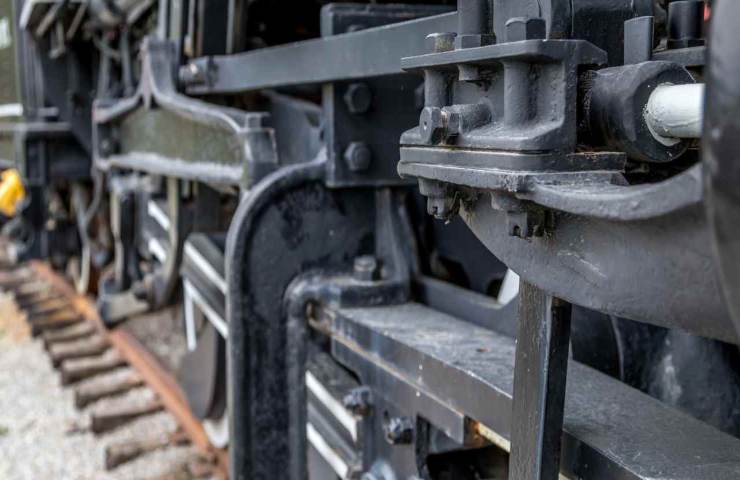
x: 611, y: 431
x: 368, y: 53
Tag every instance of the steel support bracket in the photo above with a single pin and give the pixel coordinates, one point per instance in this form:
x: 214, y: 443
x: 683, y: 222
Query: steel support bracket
x: 162, y: 132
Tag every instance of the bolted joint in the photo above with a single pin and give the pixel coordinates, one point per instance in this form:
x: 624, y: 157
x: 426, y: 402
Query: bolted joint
x: 366, y: 268
x: 465, y: 118
x: 192, y: 74
x: 525, y: 28
x: 438, y: 125
x: 358, y: 156
x: 399, y: 431
x: 358, y: 98
x: 358, y: 401
x: 197, y: 72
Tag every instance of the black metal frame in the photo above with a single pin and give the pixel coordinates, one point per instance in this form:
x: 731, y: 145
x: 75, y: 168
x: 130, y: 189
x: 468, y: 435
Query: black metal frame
x: 523, y: 134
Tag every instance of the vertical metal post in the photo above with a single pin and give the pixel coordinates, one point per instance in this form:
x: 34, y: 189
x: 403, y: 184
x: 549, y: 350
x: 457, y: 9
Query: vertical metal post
x: 539, y: 385
x: 638, y: 40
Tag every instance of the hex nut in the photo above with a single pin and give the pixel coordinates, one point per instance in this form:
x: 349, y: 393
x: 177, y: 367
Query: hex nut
x: 525, y: 28
x: 440, y: 42
x: 399, y: 430
x: 432, y: 125
x: 358, y: 401
x: 473, y: 40
x: 366, y: 268
x: 358, y: 156
x: 358, y: 98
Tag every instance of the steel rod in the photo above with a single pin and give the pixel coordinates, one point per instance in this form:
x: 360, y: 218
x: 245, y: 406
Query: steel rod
x: 540, y: 373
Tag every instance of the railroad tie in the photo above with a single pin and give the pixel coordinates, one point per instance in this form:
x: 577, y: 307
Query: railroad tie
x: 28, y: 302
x: 35, y: 288
x: 10, y: 279
x: 105, y: 421
x: 54, y: 321
x: 74, y: 370
x: 87, y: 394
x: 72, y: 333
x: 83, y: 348
x: 47, y: 308
x: 119, y: 453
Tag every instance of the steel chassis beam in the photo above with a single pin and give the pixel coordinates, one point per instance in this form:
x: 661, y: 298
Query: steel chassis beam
x: 460, y: 378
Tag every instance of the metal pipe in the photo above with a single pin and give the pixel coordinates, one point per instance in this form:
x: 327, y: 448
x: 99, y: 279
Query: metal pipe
x: 675, y: 111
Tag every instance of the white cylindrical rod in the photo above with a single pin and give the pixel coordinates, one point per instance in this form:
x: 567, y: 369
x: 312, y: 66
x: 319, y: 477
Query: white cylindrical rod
x: 675, y: 111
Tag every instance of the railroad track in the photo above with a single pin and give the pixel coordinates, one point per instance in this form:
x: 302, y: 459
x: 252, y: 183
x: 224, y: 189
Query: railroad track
x: 101, y: 363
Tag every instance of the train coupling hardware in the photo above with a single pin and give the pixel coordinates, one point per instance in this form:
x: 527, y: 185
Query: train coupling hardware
x: 534, y: 108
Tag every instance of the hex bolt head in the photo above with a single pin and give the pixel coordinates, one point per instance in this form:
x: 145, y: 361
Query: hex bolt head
x: 106, y: 147
x: 358, y: 156
x: 525, y: 28
x: 399, y: 431
x: 358, y: 98
x: 192, y: 74
x: 358, y: 401
x: 432, y: 125
x: 438, y: 124
x: 441, y: 42
x: 366, y: 268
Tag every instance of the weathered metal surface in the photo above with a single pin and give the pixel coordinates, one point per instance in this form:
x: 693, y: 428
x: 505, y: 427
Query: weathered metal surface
x: 720, y: 150
x: 367, y: 53
x: 162, y: 132
x: 540, y: 370
x: 593, y: 262
x: 610, y: 429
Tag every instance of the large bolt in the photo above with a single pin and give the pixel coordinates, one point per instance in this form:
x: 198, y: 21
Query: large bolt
x: 366, y: 268
x: 192, y: 74
x: 441, y: 42
x: 358, y: 401
x: 358, y: 98
x: 358, y: 156
x: 108, y: 146
x: 525, y: 28
x: 437, y: 125
x: 399, y: 430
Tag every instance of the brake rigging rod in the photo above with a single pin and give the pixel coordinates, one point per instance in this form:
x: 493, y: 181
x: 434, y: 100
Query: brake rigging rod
x: 540, y: 373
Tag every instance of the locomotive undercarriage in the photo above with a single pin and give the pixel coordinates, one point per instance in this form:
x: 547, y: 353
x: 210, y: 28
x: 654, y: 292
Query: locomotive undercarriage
x: 272, y: 167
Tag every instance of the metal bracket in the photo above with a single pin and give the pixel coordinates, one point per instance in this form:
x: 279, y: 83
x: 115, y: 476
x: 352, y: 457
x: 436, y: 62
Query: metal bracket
x: 163, y: 132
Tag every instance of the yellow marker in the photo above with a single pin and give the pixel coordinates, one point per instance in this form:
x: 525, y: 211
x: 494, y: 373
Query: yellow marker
x: 11, y: 191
